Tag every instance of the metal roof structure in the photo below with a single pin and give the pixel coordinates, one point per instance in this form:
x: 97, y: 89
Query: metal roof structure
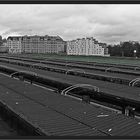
x: 57, y: 115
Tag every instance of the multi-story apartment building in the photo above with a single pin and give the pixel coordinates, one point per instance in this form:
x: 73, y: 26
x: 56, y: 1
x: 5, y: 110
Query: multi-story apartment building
x: 54, y: 44
x: 31, y: 44
x: 86, y: 46
x: 14, y: 44
x: 37, y: 44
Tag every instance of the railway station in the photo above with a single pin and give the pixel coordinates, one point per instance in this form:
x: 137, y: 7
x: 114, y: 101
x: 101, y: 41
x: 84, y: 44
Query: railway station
x: 49, y: 98
x: 69, y: 71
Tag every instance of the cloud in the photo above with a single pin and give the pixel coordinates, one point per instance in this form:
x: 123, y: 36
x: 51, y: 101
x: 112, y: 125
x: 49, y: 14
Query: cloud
x: 107, y: 23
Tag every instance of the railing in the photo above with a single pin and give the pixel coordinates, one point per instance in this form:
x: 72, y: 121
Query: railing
x: 111, y: 68
x: 77, y: 70
x: 135, y: 82
x: 33, y: 73
x: 65, y: 91
x: 132, y: 82
x: 67, y: 64
x: 11, y: 75
x: 136, y: 68
x: 38, y: 64
x: 3, y: 66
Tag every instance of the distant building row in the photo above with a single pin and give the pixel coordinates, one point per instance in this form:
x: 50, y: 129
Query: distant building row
x: 35, y: 44
x: 55, y: 44
x: 87, y: 46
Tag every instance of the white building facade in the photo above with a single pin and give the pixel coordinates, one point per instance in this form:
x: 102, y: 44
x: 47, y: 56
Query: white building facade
x: 86, y: 46
x: 14, y: 44
x: 35, y: 44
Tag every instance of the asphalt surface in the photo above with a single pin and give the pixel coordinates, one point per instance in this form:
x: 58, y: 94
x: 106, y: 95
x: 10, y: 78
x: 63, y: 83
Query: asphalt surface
x: 59, y: 115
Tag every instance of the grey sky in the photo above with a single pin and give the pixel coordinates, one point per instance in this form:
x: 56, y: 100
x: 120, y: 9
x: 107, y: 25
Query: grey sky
x: 107, y: 23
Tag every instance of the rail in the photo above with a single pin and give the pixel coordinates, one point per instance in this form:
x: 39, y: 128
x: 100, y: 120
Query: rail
x: 65, y: 91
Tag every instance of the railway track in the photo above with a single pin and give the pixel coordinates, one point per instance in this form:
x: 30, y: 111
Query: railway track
x: 82, y: 63
x: 111, y: 94
x: 92, y: 74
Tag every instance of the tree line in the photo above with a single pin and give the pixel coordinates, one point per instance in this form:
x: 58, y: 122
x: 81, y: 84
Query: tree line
x: 125, y: 49
x: 2, y: 40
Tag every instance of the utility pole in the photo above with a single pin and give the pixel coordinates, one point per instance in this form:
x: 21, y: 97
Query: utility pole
x: 122, y: 51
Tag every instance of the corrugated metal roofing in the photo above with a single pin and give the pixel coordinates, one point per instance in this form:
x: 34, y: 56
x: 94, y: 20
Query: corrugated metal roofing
x: 61, y: 115
x: 49, y: 121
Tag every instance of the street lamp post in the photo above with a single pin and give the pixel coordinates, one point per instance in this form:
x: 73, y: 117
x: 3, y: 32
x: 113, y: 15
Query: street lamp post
x: 135, y: 51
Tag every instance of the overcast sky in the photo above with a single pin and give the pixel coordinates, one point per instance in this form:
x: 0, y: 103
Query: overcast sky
x: 107, y: 23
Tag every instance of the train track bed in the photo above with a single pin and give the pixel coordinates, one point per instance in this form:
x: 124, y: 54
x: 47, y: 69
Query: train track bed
x: 92, y: 74
x: 109, y: 92
x: 82, y: 63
